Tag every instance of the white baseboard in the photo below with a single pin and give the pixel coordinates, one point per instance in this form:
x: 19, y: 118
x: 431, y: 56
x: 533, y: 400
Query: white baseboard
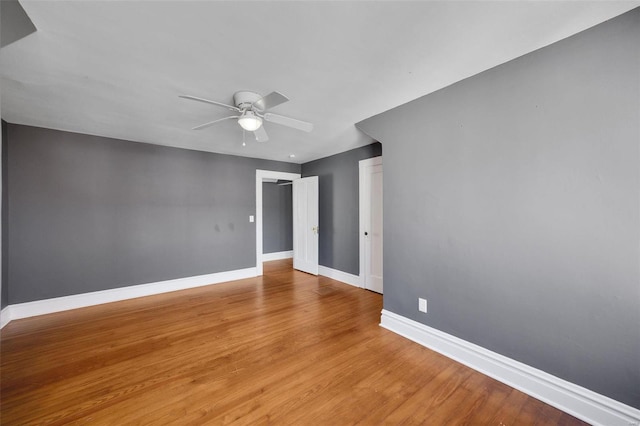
x: 5, y: 316
x: 339, y: 276
x: 582, y: 403
x: 266, y: 257
x: 58, y: 304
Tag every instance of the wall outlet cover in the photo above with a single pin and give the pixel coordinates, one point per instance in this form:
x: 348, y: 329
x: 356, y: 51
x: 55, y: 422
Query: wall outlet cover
x: 422, y: 304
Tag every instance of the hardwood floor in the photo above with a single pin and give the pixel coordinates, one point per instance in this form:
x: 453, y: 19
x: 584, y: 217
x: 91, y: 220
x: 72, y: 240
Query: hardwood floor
x: 285, y: 348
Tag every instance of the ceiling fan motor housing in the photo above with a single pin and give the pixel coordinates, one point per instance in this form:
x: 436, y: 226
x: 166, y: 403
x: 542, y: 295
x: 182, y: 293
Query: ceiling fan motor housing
x: 244, y: 99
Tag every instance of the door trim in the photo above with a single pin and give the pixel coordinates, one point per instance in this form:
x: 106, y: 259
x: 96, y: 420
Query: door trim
x: 260, y: 175
x: 364, y: 200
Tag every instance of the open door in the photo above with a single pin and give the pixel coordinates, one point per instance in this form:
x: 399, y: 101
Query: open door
x: 305, y: 224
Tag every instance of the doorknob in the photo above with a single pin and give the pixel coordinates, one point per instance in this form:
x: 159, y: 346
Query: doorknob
x: 366, y: 233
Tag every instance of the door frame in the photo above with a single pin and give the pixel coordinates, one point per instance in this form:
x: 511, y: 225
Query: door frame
x: 364, y: 201
x: 260, y: 175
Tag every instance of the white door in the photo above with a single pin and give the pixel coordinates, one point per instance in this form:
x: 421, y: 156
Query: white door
x: 371, y: 223
x: 305, y: 224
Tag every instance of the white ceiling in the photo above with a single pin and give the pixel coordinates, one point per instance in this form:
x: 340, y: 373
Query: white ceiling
x: 116, y: 68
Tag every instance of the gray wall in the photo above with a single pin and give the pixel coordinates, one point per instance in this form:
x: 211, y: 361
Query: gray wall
x: 512, y: 204
x: 339, y: 210
x: 277, y: 218
x: 14, y: 22
x: 5, y: 230
x: 88, y: 213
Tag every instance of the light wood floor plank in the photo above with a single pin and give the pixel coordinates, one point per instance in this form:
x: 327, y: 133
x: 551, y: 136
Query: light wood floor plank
x: 284, y: 348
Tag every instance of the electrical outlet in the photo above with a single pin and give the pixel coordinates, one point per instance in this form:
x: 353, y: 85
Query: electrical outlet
x: 422, y: 304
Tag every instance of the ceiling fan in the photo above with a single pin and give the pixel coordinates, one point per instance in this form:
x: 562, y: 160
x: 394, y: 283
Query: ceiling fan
x: 251, y: 111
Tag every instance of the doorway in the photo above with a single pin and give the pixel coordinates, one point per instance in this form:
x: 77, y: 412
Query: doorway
x: 261, y: 176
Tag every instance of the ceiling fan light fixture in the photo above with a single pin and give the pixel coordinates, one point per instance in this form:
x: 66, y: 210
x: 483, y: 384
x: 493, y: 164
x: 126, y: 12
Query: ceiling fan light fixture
x: 250, y: 121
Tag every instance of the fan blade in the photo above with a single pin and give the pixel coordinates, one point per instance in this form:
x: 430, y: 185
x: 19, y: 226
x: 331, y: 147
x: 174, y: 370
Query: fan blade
x: 207, y: 101
x: 211, y: 123
x: 289, y: 122
x: 261, y: 134
x: 271, y: 100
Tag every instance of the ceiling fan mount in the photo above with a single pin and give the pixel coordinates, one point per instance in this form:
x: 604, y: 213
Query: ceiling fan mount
x: 245, y: 100
x: 252, y: 111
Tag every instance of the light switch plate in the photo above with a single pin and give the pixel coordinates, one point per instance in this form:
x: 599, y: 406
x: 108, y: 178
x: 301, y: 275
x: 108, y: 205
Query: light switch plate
x: 251, y: 219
